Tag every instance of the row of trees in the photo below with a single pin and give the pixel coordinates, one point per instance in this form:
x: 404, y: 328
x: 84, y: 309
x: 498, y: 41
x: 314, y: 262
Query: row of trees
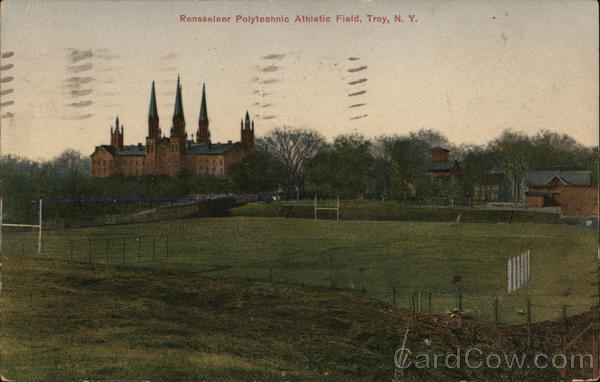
x: 299, y: 163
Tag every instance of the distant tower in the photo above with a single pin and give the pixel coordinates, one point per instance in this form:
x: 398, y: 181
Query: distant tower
x: 153, y: 134
x: 247, y: 131
x: 116, y: 136
x: 153, y: 129
x: 178, y: 135
x: 203, y: 133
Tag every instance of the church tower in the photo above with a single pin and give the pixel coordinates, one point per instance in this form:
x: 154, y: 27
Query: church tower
x: 247, y: 131
x: 203, y: 133
x: 153, y: 134
x: 116, y: 135
x: 178, y: 134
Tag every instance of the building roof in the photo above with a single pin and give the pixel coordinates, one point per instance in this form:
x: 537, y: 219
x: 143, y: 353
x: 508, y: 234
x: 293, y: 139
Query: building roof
x: 191, y: 148
x: 206, y: 149
x: 442, y: 166
x: 132, y: 150
x: 438, y: 148
x: 542, y: 178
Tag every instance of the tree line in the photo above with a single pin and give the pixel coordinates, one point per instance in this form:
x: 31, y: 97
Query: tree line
x: 299, y: 163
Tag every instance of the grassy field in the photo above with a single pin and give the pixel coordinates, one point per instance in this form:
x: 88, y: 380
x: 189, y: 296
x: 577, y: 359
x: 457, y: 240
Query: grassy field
x: 66, y: 321
x: 375, y: 257
x: 384, y: 211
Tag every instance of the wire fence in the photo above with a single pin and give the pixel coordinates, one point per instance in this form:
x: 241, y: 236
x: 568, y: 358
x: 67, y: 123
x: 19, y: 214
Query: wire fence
x: 185, y: 248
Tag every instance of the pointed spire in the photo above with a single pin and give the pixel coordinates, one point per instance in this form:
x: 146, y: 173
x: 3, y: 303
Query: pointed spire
x: 178, y: 112
x: 203, y: 111
x: 153, y: 112
x: 247, y: 118
x: 117, y: 125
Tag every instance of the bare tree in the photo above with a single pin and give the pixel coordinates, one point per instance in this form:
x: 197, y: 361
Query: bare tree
x: 294, y: 147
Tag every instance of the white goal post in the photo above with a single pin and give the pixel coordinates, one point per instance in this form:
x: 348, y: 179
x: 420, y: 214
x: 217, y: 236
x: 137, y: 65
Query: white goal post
x: 38, y: 226
x: 336, y: 209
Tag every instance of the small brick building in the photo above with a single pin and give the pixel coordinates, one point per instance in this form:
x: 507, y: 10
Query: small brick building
x: 173, y: 155
x: 572, y: 191
x: 441, y: 166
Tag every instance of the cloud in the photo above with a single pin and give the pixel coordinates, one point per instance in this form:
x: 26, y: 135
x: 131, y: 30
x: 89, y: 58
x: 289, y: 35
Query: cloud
x: 7, y: 103
x: 274, y: 56
x: 81, y: 68
x: 76, y: 82
x: 270, y: 81
x: 270, y: 68
x: 6, y: 79
x: 80, y: 116
x: 357, y: 81
x: 6, y: 91
x: 80, y: 104
x: 8, y: 114
x: 359, y: 117
x: 357, y: 93
x: 8, y: 54
x: 269, y: 117
x: 254, y: 79
x: 6, y: 67
x: 78, y: 55
x: 82, y: 92
x: 266, y: 105
x: 353, y: 58
x: 256, y: 104
x: 356, y: 105
x: 358, y: 69
x: 169, y: 56
x: 105, y: 54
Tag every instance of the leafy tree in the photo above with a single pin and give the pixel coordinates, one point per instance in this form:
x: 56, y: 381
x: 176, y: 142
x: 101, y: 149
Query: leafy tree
x: 259, y: 173
x: 294, y: 147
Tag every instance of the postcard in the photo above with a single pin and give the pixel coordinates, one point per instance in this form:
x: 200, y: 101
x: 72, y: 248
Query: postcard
x: 360, y: 190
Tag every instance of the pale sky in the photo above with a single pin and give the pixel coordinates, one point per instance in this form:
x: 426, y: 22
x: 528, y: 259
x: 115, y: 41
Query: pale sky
x: 466, y: 68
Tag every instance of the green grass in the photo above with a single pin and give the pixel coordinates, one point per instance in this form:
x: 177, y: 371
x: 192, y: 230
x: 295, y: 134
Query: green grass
x: 378, y: 256
x: 66, y: 321
x: 396, y: 211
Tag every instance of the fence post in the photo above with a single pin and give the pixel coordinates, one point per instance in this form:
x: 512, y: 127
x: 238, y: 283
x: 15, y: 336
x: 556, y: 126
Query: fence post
x: 139, y: 249
x: 420, y: 295
x: 430, y: 311
x: 364, y: 291
x: 565, y: 327
x: 71, y: 257
x: 529, y: 322
x: 412, y: 303
x: 460, y: 309
x: 496, y: 310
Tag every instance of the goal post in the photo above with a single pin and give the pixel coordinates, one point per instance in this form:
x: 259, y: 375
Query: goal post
x: 38, y: 226
x: 336, y: 208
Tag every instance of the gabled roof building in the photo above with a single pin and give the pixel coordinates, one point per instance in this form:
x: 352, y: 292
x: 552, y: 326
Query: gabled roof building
x: 176, y: 154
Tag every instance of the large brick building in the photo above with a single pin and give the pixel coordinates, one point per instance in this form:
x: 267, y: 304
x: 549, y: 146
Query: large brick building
x: 572, y: 191
x: 173, y: 155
